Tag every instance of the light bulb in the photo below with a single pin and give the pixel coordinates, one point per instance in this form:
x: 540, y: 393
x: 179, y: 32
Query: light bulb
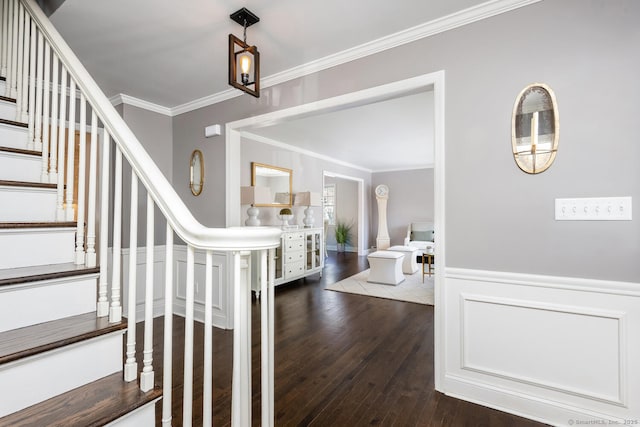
x: 245, y: 64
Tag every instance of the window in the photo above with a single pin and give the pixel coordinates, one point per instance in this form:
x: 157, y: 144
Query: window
x: 329, y: 196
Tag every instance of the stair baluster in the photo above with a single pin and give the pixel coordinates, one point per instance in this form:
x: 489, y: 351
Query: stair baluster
x: 207, y: 386
x: 39, y: 75
x: 23, y: 61
x: 53, y: 150
x: 3, y: 37
x: 103, y: 298
x: 187, y: 392
x: 31, y: 40
x: 62, y: 111
x: 91, y: 208
x: 22, y: 82
x: 71, y: 149
x: 82, y: 166
x: 167, y: 369
x: 130, y: 366
x: 147, y: 376
x: 115, y: 309
x: 13, y: 49
x: 45, y: 113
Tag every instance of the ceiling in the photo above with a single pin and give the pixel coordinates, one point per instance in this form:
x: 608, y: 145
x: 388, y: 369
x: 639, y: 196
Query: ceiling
x: 173, y: 53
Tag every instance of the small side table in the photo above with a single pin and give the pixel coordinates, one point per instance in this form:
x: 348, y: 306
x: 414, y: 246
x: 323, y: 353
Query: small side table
x: 429, y: 264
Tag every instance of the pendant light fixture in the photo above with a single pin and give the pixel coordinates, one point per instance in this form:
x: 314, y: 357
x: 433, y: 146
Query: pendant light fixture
x: 244, y: 60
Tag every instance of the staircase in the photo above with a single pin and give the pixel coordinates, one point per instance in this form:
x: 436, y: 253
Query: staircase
x: 60, y: 364
x: 67, y: 354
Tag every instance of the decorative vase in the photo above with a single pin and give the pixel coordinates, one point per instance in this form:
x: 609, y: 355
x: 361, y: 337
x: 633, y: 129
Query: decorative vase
x: 285, y: 219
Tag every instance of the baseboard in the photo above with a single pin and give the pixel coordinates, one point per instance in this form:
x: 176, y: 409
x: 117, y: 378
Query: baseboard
x: 347, y: 249
x: 527, y: 344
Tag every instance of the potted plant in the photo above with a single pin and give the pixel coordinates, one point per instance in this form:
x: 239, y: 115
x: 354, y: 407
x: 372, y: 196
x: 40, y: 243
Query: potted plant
x: 343, y: 234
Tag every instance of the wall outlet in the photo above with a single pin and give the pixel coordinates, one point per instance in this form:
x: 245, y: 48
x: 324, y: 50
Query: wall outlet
x: 594, y: 209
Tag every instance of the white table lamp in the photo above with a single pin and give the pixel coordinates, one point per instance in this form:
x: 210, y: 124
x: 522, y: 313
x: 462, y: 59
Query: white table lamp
x: 308, y: 199
x: 254, y: 196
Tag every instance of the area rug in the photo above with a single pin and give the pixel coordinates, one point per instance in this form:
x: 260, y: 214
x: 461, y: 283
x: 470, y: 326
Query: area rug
x: 410, y: 290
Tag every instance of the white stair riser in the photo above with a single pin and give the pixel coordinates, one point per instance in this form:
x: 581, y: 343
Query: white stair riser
x: 144, y: 416
x: 20, y: 167
x: 36, y: 246
x: 37, y: 378
x: 7, y: 110
x: 24, y: 204
x: 3, y: 88
x: 32, y: 303
x: 13, y: 136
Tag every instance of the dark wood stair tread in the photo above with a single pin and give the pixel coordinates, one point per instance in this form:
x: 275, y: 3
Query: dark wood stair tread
x: 30, y: 340
x: 7, y: 99
x: 59, y: 224
x: 27, y: 184
x: 14, y: 276
x: 21, y: 151
x: 91, y: 405
x: 14, y: 123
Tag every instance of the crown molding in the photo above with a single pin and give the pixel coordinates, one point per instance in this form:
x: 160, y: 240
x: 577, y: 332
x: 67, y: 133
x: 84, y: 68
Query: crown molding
x: 121, y: 98
x: 421, y: 31
x: 410, y: 168
x: 273, y: 142
x: 455, y: 20
x: 205, y: 101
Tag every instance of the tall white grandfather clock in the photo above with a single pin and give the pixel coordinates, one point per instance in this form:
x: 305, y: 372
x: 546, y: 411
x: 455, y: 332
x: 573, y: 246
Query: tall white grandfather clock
x: 382, y: 194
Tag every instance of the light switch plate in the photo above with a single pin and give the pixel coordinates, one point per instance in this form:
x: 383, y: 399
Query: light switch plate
x: 594, y: 209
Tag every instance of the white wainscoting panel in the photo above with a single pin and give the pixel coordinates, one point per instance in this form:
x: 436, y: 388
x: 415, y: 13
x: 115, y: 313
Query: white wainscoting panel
x: 221, y: 308
x: 559, y: 350
x: 141, y: 277
x: 222, y: 316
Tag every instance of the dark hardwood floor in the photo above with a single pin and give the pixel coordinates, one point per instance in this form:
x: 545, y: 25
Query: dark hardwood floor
x: 340, y: 360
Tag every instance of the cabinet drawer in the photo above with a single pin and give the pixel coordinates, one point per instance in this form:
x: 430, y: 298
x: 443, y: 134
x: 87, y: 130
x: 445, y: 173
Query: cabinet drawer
x: 293, y: 270
x: 293, y: 256
x: 293, y: 245
x: 293, y: 236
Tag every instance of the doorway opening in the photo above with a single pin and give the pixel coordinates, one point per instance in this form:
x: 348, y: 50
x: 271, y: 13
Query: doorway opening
x: 435, y: 80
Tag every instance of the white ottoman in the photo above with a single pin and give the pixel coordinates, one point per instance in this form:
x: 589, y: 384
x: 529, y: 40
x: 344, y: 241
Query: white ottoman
x: 409, y: 265
x: 386, y: 267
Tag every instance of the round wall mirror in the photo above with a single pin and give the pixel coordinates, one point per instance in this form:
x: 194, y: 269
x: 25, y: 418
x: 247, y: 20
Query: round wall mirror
x: 196, y: 173
x: 534, y: 128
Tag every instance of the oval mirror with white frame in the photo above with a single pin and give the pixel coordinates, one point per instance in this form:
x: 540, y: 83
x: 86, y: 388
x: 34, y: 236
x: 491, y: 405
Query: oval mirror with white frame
x: 196, y: 172
x: 534, y: 128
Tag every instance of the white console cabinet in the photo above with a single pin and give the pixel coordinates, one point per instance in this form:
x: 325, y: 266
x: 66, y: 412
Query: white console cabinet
x: 300, y: 254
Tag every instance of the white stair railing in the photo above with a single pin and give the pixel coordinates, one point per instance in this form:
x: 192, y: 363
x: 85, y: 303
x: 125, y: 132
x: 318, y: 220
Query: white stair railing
x: 50, y: 85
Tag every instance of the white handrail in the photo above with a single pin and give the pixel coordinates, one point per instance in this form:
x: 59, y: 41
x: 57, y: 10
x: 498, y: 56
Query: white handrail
x: 190, y: 230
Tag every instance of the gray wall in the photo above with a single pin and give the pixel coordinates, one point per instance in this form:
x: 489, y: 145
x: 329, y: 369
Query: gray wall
x: 497, y: 217
x: 346, y: 211
x: 154, y: 132
x: 411, y: 199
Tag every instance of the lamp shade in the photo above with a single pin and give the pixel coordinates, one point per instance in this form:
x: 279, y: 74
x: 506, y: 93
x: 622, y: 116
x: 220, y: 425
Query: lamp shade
x: 307, y: 198
x: 255, y: 195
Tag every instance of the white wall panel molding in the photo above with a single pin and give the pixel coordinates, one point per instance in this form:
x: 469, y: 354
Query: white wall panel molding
x: 158, y: 283
x: 221, y: 308
x: 611, y: 374
x: 554, y: 349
